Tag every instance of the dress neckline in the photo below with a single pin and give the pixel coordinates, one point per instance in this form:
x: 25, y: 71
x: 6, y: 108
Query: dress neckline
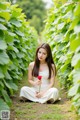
x: 43, y: 70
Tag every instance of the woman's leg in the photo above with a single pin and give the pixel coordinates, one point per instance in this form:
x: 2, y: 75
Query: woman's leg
x: 29, y: 93
x: 51, y: 94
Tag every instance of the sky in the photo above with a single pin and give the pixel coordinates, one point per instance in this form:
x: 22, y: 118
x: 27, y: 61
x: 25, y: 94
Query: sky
x: 49, y: 2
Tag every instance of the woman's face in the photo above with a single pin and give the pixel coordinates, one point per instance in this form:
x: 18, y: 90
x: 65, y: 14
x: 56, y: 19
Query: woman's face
x: 42, y: 54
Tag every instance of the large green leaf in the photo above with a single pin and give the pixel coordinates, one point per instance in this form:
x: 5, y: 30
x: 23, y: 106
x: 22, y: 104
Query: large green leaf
x: 9, y: 84
x: 74, y: 23
x: 75, y: 59
x: 68, y: 15
x: 6, y: 97
x: 15, y: 22
x: 13, y: 48
x: 7, y: 75
x: 77, y: 10
x: 73, y: 90
x: 3, y: 105
x: 5, y: 15
x: 74, y: 44
x: 1, y: 85
x: 2, y: 6
x: 2, y: 20
x: 1, y: 35
x: 3, y: 45
x: 2, y: 27
x: 76, y: 76
x: 60, y: 26
x: 77, y: 29
x: 1, y: 74
x: 21, y: 55
x: 12, y: 85
x: 4, y: 59
x: 19, y: 33
x: 11, y: 34
x: 9, y: 38
x: 77, y: 96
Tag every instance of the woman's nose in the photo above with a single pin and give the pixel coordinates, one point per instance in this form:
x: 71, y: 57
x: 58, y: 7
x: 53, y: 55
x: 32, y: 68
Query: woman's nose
x: 40, y: 55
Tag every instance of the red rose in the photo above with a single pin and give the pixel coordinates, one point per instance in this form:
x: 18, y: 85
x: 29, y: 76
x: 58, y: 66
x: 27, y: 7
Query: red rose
x: 39, y: 77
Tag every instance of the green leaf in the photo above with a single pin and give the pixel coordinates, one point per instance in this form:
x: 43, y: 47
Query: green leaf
x: 68, y: 16
x: 9, y: 84
x: 74, y: 44
x: 73, y: 90
x: 3, y: 45
x: 2, y: 6
x: 6, y: 83
x: 5, y: 14
x: 1, y: 35
x: 60, y: 26
x: 76, y: 76
x: 1, y: 74
x: 4, y: 59
x: 15, y: 22
x: 13, y: 85
x: 1, y: 85
x: 21, y: 55
x: 63, y: 67
x: 75, y: 59
x: 9, y: 38
x: 19, y: 33
x: 6, y: 97
x: 11, y: 34
x: 77, y: 29
x: 74, y: 23
x: 2, y: 20
x: 72, y: 37
x: 15, y: 49
x: 3, y: 105
x: 77, y: 10
x: 7, y: 76
x: 2, y: 27
x: 77, y: 96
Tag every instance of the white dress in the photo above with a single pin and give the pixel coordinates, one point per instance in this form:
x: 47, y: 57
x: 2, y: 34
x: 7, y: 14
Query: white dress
x: 30, y: 92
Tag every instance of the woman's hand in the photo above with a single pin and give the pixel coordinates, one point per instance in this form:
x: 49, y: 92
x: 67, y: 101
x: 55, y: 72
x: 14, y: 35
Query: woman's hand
x: 38, y: 82
x: 39, y: 94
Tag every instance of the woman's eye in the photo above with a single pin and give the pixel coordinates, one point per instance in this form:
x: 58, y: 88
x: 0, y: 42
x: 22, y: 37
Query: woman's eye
x: 39, y: 52
x: 44, y: 53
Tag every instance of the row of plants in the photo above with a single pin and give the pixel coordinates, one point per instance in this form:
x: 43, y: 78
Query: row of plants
x: 17, y: 42
x: 62, y: 31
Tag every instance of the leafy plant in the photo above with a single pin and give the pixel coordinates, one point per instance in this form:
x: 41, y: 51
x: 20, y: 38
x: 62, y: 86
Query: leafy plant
x: 62, y: 31
x: 17, y: 41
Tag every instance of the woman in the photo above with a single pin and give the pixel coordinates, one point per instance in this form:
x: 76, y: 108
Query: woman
x: 41, y: 75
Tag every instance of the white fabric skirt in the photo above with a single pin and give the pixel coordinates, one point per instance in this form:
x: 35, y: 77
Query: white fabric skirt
x: 29, y: 93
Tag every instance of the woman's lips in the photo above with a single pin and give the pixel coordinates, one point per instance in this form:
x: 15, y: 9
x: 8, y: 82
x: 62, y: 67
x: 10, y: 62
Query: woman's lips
x: 40, y: 58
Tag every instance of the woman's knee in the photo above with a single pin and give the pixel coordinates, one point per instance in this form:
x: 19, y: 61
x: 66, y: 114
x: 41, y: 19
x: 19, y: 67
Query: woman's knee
x: 23, y: 88
x: 54, y: 90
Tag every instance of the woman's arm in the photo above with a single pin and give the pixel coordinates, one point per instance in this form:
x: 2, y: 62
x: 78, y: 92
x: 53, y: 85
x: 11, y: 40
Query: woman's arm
x: 52, y: 79
x: 30, y: 77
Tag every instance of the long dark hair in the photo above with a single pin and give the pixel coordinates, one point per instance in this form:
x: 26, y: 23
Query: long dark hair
x: 49, y: 61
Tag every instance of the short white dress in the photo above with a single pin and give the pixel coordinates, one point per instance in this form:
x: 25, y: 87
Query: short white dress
x: 30, y: 92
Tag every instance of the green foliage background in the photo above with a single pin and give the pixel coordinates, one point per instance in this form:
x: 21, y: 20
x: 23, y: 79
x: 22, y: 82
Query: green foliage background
x: 35, y: 11
x: 62, y: 31
x: 17, y: 42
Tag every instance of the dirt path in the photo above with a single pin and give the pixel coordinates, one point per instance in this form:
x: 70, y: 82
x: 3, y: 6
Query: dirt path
x: 60, y: 110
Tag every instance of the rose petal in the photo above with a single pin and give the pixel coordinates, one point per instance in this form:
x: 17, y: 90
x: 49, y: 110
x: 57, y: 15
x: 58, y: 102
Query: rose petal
x: 39, y: 77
